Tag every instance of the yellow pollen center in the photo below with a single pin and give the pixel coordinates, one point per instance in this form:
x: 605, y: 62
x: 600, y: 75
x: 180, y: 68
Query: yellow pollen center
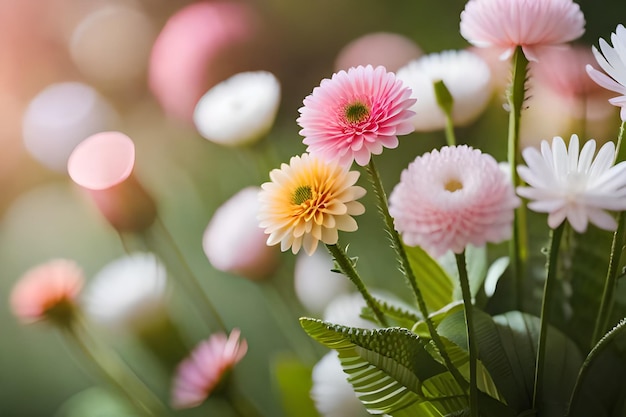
x: 356, y: 112
x: 453, y: 185
x: 302, y: 194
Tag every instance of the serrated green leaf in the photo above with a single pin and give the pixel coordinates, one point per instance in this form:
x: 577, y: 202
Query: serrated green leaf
x: 386, y: 367
x: 399, y: 314
x: 601, y: 388
x: 435, y: 284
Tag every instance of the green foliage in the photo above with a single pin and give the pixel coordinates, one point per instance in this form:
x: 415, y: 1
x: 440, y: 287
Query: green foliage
x: 294, y: 383
x: 600, y: 390
x: 435, y: 284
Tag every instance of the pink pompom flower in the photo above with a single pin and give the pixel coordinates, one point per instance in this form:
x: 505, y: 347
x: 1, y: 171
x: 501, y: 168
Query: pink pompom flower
x: 209, y: 364
x: 47, y: 291
x: 614, y: 64
x: 356, y: 114
x: 531, y: 24
x: 450, y: 198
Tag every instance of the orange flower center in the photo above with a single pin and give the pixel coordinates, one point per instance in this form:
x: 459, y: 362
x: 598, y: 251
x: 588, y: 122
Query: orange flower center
x: 453, y: 185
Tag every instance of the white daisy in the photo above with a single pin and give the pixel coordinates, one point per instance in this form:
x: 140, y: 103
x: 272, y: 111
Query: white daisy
x: 570, y: 185
x: 315, y: 284
x: 465, y: 74
x: 614, y: 64
x: 239, y: 110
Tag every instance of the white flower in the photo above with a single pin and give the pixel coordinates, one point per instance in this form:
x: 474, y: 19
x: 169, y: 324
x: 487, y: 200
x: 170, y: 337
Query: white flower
x: 465, y: 74
x: 233, y: 241
x: 60, y: 117
x: 614, y: 64
x: 314, y: 282
x: 129, y: 291
x: 239, y: 110
x: 575, y: 186
x: 331, y: 392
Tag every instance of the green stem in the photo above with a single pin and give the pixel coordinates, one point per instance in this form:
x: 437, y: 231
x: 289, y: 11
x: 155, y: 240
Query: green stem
x: 620, y: 152
x: 553, y: 254
x: 405, y: 267
x: 115, y: 371
x: 163, y: 245
x: 347, y: 268
x: 446, y: 104
x: 450, y: 136
x: 608, y: 295
x: 516, y: 96
x: 471, y: 338
x: 617, y: 246
x: 280, y: 310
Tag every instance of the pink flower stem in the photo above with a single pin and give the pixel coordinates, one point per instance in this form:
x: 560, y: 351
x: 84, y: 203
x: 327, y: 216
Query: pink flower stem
x: 469, y: 327
x: 114, y: 370
x: 553, y: 255
x: 608, y: 294
x: 405, y: 267
x: 516, y: 96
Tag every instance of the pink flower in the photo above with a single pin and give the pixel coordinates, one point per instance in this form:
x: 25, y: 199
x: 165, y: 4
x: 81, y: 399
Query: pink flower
x: 355, y: 114
x: 103, y: 165
x: 531, y: 24
x: 450, y: 198
x: 233, y: 241
x: 47, y: 291
x: 210, y: 362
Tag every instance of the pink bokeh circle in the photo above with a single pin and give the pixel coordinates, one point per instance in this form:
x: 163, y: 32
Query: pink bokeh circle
x: 102, y: 160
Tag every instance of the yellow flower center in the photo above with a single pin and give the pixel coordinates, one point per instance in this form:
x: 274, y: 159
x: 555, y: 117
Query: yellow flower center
x: 301, y: 194
x: 453, y: 185
x: 356, y: 112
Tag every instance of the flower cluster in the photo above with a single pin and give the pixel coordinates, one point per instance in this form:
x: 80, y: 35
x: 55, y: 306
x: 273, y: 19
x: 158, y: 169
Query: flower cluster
x: 472, y: 334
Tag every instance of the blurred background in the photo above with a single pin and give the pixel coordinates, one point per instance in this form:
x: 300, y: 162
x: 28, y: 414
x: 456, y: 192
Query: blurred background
x: 107, y: 46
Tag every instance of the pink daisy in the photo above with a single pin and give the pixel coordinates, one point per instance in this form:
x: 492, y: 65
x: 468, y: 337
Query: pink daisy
x: 209, y: 364
x: 531, y: 24
x: 450, y: 198
x: 47, y: 291
x: 355, y: 114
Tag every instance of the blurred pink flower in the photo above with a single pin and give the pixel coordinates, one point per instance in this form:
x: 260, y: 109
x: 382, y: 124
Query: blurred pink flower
x: 614, y: 64
x: 209, y: 364
x: 391, y: 50
x: 531, y: 24
x: 355, y: 114
x: 47, y: 291
x: 198, y: 47
x: 572, y: 185
x: 450, y: 198
x: 307, y: 201
x: 103, y: 165
x: 233, y: 241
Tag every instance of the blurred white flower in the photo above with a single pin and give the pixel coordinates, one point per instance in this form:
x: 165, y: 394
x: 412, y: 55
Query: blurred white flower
x: 60, y: 117
x: 346, y: 310
x: 331, y: 392
x: 239, y: 110
x: 314, y: 282
x: 233, y: 241
x: 465, y: 74
x: 128, y: 292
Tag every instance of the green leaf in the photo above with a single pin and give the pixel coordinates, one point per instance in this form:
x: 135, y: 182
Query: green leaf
x: 476, y: 260
x: 507, y: 348
x: 601, y: 388
x: 421, y: 328
x: 387, y: 368
x: 294, y: 384
x: 397, y: 312
x: 435, y: 284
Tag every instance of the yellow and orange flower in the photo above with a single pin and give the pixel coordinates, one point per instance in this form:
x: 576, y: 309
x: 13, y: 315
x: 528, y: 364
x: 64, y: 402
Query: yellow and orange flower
x: 309, y: 201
